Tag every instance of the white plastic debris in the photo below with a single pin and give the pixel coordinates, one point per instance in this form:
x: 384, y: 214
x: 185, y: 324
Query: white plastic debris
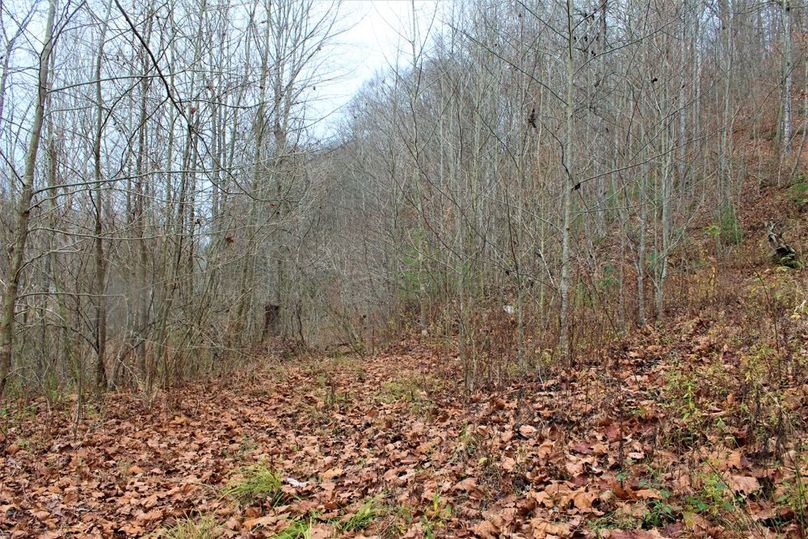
x: 295, y: 483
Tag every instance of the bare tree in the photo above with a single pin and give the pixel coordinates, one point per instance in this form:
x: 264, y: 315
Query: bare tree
x: 23, y: 210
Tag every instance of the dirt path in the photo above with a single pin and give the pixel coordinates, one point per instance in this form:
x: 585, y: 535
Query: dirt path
x: 131, y: 469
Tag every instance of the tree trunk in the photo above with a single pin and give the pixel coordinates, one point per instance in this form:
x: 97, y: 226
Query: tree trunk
x: 787, y: 77
x: 99, y: 291
x: 23, y: 210
x: 567, y: 187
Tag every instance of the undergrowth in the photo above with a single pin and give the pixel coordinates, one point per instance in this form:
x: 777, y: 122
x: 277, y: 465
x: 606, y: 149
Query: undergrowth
x: 255, y: 483
x: 201, y: 528
x: 298, y: 529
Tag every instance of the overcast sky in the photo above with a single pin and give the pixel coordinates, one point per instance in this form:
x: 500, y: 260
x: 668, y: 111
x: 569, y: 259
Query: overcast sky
x: 375, y: 31
x: 371, y: 33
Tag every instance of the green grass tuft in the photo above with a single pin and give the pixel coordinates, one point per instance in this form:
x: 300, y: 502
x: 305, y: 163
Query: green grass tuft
x: 362, y: 518
x: 203, y: 528
x: 298, y: 529
x: 255, y: 483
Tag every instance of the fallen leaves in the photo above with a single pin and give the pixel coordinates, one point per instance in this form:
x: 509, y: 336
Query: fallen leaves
x: 545, y: 465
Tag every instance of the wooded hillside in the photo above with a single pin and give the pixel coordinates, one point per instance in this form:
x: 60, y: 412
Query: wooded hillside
x: 541, y: 267
x: 168, y: 209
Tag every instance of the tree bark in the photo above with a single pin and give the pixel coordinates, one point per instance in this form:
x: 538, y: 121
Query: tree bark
x: 787, y: 77
x: 23, y: 210
x: 567, y: 186
x: 100, y: 321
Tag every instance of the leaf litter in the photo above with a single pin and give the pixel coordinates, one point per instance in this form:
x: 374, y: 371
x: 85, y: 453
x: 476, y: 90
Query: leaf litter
x: 391, y: 446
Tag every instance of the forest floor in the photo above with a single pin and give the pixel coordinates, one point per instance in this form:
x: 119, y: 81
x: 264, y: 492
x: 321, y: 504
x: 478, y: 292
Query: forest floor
x: 385, y: 446
x: 691, y: 428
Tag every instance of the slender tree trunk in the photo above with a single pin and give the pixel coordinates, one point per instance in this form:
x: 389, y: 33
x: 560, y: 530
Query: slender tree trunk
x: 100, y: 321
x: 146, y: 292
x: 258, y: 187
x: 23, y: 210
x: 567, y: 187
x: 662, y: 258
x: 787, y: 77
x: 725, y: 181
x: 643, y: 203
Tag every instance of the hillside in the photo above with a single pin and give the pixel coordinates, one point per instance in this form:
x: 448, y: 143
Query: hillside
x: 542, y: 275
x: 694, y: 427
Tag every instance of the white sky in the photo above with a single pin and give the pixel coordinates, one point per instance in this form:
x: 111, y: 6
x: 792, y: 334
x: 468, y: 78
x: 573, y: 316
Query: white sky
x: 375, y: 31
x: 371, y: 34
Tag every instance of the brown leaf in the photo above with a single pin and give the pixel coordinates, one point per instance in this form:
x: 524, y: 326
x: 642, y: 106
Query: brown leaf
x: 42, y: 515
x: 328, y: 486
x: 582, y: 448
x: 527, y: 430
x: 466, y: 485
x: 743, y: 484
x: 331, y: 474
x: 582, y: 499
x: 546, y: 449
x: 632, y: 534
x: 622, y: 492
x: 600, y: 448
x: 264, y: 521
x: 542, y: 529
x: 321, y: 531
x: 154, y: 514
x: 735, y: 459
x: 486, y: 530
x: 574, y: 467
x: 647, y: 494
x: 132, y: 530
